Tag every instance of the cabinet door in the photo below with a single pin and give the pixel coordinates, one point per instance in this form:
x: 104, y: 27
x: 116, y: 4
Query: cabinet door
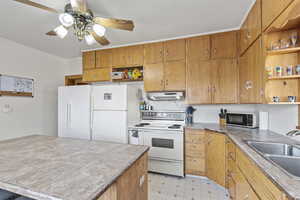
x: 175, y: 76
x: 174, y: 50
x: 97, y: 75
x: 154, y: 53
x: 198, y: 82
x: 243, y: 188
x: 251, y: 28
x: 254, y: 22
x: 251, y: 74
x: 104, y: 58
x: 224, y: 81
x: 88, y: 60
x: 271, y: 9
x: 120, y: 57
x: 198, y: 48
x: 135, y: 55
x: 215, y: 158
x: 224, y: 45
x: 154, y: 77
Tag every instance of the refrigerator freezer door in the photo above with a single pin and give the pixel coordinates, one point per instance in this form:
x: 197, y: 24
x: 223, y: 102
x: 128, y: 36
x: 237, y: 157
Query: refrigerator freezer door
x: 109, y: 97
x: 110, y: 126
x: 74, y: 112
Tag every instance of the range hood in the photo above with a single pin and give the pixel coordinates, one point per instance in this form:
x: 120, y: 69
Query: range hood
x: 165, y: 96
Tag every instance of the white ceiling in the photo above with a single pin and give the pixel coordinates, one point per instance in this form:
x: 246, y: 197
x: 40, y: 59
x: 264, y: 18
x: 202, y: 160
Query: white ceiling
x: 154, y: 20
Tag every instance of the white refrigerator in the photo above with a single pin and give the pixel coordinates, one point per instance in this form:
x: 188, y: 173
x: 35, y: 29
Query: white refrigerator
x: 99, y: 112
x: 113, y: 107
x: 74, y: 112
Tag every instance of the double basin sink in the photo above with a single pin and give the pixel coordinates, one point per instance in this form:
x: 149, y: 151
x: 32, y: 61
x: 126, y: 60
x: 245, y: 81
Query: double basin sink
x: 284, y: 156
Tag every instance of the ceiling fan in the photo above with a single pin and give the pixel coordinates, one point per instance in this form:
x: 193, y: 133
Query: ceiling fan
x: 86, y: 26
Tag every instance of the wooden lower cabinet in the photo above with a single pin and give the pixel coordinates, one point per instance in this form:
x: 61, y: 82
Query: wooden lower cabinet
x: 213, y: 154
x: 243, y: 190
x: 216, y: 157
x: 195, y: 152
x: 132, y: 185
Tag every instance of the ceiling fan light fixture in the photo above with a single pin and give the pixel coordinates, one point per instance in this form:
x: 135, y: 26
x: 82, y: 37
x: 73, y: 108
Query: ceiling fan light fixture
x: 99, y: 30
x: 61, y: 31
x: 90, y: 40
x: 66, y: 19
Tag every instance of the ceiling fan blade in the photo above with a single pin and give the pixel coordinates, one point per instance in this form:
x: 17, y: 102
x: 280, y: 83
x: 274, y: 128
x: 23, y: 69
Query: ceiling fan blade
x: 101, y: 40
x: 79, y: 5
x: 51, y: 33
x: 37, y: 5
x: 115, y: 23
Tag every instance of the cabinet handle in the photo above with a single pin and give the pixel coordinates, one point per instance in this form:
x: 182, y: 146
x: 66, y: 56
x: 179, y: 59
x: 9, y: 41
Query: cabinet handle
x: 208, y: 89
x: 248, y: 35
x: 162, y: 82
x: 167, y: 82
x: 246, y: 197
x: 215, y: 50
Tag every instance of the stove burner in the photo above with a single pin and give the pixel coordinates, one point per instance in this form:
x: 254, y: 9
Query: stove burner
x: 142, y: 124
x: 175, y: 126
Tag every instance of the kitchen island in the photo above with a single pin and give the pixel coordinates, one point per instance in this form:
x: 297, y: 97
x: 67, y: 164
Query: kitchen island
x: 51, y: 168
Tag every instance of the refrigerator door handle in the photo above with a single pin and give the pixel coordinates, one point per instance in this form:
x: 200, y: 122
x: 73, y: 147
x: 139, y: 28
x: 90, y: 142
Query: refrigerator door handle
x: 92, y: 112
x: 70, y: 115
x: 67, y: 121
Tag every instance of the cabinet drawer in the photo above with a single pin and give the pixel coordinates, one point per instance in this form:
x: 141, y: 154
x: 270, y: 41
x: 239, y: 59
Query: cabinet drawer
x: 264, y: 187
x: 195, y: 166
x: 195, y: 138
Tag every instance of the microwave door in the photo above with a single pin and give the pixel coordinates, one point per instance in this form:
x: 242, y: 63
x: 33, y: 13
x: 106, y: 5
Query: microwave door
x: 237, y: 119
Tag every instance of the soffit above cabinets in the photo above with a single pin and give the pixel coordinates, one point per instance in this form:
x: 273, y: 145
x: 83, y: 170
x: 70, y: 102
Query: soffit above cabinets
x: 154, y: 20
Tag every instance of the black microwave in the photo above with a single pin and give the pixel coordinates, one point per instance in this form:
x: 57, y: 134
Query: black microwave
x: 247, y: 120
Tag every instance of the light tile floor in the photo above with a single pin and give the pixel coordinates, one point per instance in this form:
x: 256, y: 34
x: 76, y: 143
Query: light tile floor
x: 164, y: 187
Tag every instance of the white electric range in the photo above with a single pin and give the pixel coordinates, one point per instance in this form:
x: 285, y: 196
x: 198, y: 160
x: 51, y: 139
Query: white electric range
x: 163, y: 131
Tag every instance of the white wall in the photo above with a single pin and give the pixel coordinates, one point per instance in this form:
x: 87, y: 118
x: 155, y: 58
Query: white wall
x: 36, y: 115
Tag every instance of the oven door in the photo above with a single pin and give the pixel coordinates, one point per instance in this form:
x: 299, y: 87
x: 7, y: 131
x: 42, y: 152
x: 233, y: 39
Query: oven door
x: 164, y: 144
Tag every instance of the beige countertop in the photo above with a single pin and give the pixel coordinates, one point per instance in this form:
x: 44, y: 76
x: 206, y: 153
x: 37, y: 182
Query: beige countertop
x: 51, y: 168
x: 287, y: 183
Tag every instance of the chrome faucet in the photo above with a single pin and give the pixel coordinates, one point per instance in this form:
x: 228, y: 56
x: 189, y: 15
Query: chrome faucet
x: 293, y: 133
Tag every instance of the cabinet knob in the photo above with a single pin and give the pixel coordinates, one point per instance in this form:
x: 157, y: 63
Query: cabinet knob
x: 167, y: 82
x: 246, y: 197
x: 215, y: 50
x: 248, y: 35
x: 162, y: 82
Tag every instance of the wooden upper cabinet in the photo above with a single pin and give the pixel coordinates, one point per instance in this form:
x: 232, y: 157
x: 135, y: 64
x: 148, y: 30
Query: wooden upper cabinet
x: 119, y: 57
x: 198, y: 82
x: 89, y: 60
x: 224, y: 45
x: 104, y: 58
x: 97, y: 75
x: 128, y: 56
x: 175, y: 76
x: 271, y: 9
x: 174, y: 50
x: 251, y: 28
x: 154, y: 77
x: 154, y: 53
x: 198, y: 48
x: 135, y: 55
x: 215, y: 158
x: 224, y: 81
x: 251, y: 70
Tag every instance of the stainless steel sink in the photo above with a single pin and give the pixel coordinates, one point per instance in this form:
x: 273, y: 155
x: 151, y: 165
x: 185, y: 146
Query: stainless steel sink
x: 275, y: 148
x: 284, y: 156
x: 290, y: 164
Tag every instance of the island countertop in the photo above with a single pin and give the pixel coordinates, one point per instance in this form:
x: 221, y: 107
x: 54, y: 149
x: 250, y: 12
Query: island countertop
x: 51, y: 168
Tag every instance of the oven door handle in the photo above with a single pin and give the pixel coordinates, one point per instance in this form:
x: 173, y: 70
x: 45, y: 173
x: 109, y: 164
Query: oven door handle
x: 164, y: 160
